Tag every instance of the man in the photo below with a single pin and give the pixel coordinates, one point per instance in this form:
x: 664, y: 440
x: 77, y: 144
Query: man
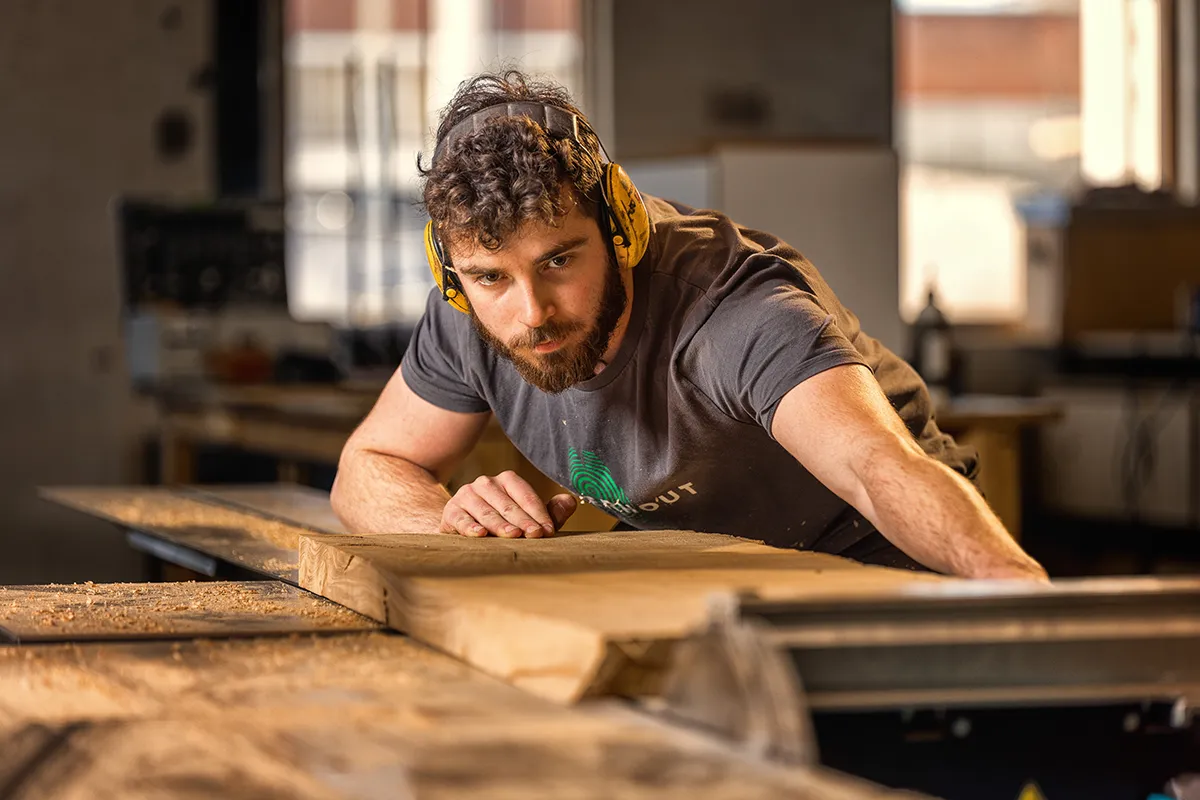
x: 676, y: 369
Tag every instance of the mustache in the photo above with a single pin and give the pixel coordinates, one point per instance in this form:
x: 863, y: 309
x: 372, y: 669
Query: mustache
x: 549, y: 332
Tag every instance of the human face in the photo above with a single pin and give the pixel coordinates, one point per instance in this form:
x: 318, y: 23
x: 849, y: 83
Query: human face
x: 549, y: 300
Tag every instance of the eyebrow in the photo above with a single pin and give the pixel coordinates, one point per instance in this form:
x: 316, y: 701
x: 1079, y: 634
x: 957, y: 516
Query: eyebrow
x: 556, y: 250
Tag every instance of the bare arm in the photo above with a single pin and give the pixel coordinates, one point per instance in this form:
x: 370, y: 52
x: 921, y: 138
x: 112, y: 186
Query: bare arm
x: 392, y: 468
x: 840, y: 426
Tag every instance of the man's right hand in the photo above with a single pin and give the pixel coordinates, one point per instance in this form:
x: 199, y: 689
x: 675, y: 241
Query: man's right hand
x: 507, y: 506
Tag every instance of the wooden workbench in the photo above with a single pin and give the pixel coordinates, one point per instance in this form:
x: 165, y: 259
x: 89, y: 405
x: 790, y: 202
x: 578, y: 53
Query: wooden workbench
x: 340, y: 714
x: 355, y: 716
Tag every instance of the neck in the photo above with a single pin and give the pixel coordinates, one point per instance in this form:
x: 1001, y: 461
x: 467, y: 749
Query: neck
x: 618, y: 334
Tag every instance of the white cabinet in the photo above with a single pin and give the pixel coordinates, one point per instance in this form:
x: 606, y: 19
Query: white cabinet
x: 836, y: 204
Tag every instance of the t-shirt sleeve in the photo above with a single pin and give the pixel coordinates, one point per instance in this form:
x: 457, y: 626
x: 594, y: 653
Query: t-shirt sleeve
x: 436, y: 364
x: 761, y: 341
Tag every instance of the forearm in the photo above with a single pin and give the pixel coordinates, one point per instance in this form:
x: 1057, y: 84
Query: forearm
x: 938, y: 518
x: 378, y: 493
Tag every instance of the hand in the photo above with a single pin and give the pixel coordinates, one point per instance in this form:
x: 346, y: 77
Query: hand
x: 506, y: 506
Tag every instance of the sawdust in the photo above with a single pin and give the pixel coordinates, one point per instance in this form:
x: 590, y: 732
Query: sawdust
x: 171, y: 511
x: 91, y: 609
x: 278, y: 565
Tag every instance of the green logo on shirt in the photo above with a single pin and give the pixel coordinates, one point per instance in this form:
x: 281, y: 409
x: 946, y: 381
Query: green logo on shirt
x: 590, y: 477
x: 593, y: 482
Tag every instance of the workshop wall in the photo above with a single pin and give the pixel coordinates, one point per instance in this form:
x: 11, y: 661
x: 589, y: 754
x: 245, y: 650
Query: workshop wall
x: 99, y: 98
x: 687, y: 75
x: 780, y: 115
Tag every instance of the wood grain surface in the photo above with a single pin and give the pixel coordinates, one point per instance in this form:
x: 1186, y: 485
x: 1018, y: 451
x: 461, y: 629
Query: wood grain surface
x: 291, y: 503
x: 258, y: 543
x: 569, y: 616
x: 116, y: 611
x: 349, y: 716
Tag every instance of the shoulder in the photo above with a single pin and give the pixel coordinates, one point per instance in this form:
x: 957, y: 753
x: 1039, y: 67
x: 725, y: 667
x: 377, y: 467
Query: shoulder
x: 710, y: 252
x: 741, y: 295
x: 445, y: 336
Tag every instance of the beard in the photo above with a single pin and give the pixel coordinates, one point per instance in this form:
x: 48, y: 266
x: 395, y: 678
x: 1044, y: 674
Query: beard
x: 558, y: 371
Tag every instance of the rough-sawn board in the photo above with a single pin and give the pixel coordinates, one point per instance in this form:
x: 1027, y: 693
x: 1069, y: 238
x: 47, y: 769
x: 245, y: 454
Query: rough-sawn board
x: 568, y: 616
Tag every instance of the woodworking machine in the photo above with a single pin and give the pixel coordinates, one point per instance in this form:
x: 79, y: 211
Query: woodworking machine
x: 1086, y: 689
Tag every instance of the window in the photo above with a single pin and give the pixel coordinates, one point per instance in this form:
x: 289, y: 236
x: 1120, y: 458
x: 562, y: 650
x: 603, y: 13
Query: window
x: 1002, y: 106
x: 366, y: 81
x: 317, y: 99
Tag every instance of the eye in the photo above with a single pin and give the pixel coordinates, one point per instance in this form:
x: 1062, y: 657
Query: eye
x: 488, y: 278
x: 558, y: 262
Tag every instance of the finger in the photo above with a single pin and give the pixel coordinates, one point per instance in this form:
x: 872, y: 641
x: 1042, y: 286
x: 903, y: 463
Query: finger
x: 481, y: 508
x: 496, y: 493
x: 455, y: 519
x: 561, y: 507
x: 531, y: 503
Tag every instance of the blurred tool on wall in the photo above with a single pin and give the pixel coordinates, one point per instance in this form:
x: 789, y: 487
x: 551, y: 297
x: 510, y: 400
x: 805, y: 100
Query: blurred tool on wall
x: 205, y: 297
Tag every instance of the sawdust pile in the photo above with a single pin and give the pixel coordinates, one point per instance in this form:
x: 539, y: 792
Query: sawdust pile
x: 162, y: 608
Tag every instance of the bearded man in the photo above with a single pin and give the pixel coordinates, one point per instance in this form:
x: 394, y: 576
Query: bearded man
x: 669, y: 365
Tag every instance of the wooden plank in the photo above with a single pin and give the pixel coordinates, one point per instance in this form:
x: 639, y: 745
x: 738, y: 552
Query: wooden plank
x: 569, y: 616
x: 266, y: 546
x: 90, y: 611
x: 354, y: 716
x: 146, y: 758
x: 302, y: 506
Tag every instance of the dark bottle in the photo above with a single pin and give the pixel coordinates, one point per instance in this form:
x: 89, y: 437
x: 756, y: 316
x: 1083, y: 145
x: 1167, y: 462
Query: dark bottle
x: 932, y: 350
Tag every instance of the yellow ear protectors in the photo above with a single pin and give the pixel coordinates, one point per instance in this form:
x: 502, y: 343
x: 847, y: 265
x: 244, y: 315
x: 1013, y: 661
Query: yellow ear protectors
x: 445, y: 277
x: 629, y: 225
x: 624, y: 213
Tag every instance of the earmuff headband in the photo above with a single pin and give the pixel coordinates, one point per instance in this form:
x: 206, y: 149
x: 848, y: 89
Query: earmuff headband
x: 553, y: 119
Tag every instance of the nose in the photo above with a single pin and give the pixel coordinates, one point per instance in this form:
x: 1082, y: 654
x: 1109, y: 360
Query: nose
x: 536, y: 306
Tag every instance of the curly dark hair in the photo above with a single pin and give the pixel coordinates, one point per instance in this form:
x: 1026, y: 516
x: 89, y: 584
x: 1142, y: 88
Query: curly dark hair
x: 486, y: 184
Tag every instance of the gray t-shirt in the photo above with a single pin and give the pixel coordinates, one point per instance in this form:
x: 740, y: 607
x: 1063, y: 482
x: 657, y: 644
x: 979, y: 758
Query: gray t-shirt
x: 675, y: 432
